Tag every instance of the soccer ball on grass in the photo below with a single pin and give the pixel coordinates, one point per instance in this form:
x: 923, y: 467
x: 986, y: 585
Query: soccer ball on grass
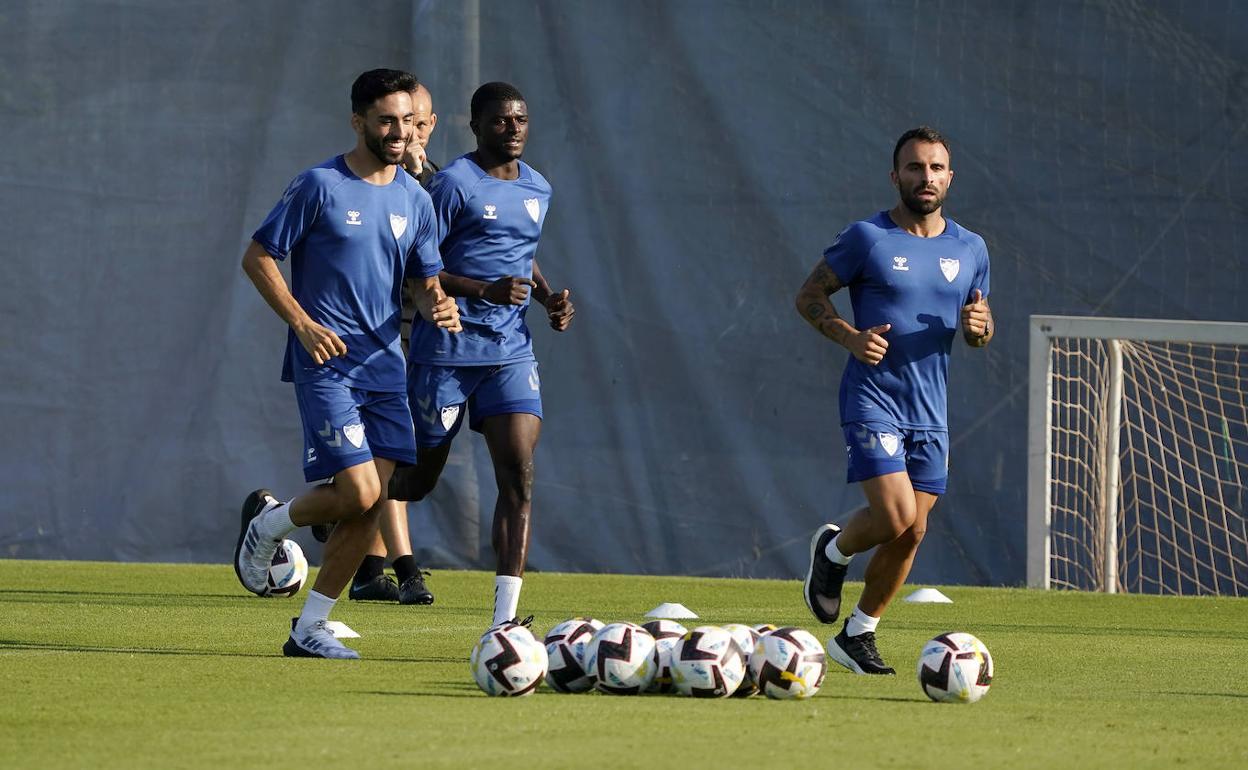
x: 620, y: 658
x: 666, y: 633
x: 788, y: 663
x: 745, y: 637
x: 508, y: 661
x: 955, y: 668
x: 565, y: 647
x: 707, y: 663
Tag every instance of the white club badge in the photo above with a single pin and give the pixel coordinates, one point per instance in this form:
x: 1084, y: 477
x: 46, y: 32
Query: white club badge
x: 354, y: 434
x: 398, y: 225
x: 889, y: 442
x: 534, y: 207
x: 950, y: 268
x: 449, y: 415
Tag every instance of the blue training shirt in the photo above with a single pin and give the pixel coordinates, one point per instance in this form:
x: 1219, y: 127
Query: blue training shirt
x: 490, y: 228
x: 350, y: 245
x: 918, y: 285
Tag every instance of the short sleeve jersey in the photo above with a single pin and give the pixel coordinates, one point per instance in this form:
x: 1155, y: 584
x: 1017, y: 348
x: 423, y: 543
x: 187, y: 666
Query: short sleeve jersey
x: 489, y: 229
x: 918, y: 285
x: 350, y: 245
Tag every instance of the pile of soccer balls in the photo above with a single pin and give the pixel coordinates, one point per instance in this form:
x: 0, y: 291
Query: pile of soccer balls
x: 662, y: 656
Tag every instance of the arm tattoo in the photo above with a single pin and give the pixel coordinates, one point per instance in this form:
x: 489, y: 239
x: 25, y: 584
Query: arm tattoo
x: 825, y: 279
x: 815, y: 307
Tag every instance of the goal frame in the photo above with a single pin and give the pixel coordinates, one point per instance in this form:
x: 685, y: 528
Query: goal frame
x: 1043, y: 330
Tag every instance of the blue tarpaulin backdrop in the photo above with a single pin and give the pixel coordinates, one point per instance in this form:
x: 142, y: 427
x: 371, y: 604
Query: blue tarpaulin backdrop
x: 702, y: 155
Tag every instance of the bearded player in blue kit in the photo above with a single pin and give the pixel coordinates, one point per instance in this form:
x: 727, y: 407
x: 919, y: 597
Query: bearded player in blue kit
x: 491, y: 207
x: 353, y: 230
x: 914, y: 277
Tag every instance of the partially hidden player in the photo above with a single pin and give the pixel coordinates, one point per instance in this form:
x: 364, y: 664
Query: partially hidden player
x: 915, y: 278
x: 491, y: 207
x: 353, y: 229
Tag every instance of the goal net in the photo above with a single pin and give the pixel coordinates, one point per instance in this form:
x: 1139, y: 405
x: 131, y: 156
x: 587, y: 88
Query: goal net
x: 1138, y: 455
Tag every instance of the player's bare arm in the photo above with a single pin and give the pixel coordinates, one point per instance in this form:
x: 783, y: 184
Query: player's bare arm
x: 434, y: 305
x: 977, y: 324
x: 813, y: 304
x: 559, y: 309
x: 508, y: 290
x: 260, y: 266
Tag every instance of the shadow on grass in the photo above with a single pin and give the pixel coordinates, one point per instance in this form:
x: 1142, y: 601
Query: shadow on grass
x: 1202, y: 694
x: 9, y: 644
x: 31, y: 595
x: 12, y: 644
x: 1091, y: 631
x: 457, y: 690
x: 873, y: 698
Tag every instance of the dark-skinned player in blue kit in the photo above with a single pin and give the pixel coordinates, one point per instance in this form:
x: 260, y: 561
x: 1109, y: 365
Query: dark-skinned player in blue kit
x: 353, y: 228
x: 491, y: 207
x: 915, y: 277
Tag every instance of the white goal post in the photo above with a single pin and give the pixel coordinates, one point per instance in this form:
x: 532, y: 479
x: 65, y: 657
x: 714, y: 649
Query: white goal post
x: 1137, y: 455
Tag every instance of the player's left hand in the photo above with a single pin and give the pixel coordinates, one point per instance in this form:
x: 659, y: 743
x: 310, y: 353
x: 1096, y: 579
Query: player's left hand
x: 560, y: 311
x: 975, y: 316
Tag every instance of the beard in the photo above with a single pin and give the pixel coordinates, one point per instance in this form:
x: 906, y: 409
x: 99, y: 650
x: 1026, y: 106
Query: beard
x: 920, y: 206
x: 375, y: 146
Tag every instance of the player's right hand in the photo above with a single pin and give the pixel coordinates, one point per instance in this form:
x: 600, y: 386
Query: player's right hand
x: 446, y: 314
x: 510, y: 290
x: 321, y: 343
x: 869, y: 346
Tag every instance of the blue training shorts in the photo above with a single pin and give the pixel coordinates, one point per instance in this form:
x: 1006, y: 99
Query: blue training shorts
x: 438, y: 396
x: 345, y: 426
x: 878, y: 448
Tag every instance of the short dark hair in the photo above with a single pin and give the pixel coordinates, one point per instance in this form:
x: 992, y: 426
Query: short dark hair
x: 377, y: 84
x: 923, y: 134
x: 493, y: 92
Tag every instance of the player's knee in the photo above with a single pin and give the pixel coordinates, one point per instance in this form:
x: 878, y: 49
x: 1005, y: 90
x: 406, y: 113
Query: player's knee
x: 912, y: 537
x: 897, y: 520
x: 515, y: 479
x: 358, y: 495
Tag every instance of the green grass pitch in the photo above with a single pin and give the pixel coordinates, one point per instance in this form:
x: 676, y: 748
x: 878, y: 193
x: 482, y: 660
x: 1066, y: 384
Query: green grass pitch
x: 173, y: 666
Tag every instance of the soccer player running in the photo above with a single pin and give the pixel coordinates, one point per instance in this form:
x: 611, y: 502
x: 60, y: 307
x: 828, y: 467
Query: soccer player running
x: 353, y: 229
x: 915, y: 277
x: 490, y: 207
x: 393, y: 538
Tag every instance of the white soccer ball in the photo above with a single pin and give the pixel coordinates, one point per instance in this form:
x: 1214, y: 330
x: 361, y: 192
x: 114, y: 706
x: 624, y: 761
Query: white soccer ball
x: 620, y: 658
x: 707, y: 663
x: 508, y: 661
x: 955, y: 668
x: 788, y: 663
x: 666, y: 633
x: 565, y: 647
x: 287, y: 571
x: 745, y: 637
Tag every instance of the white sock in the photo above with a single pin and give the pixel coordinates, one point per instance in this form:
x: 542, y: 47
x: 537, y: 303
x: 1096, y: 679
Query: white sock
x: 315, y: 607
x: 860, y: 623
x: 274, y: 521
x: 834, y: 553
x: 506, y: 597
